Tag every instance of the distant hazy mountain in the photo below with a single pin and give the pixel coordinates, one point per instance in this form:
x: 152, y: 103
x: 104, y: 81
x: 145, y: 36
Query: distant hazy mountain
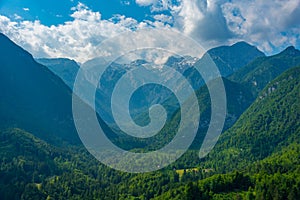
x: 32, y: 97
x: 227, y: 58
x: 64, y: 68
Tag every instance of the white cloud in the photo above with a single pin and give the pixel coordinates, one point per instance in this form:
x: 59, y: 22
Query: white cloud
x: 76, y: 39
x: 202, y: 20
x: 126, y: 3
x: 26, y: 9
x: 84, y: 14
x: 79, y: 38
x: 156, y: 5
x: 164, y: 18
x: 145, y: 2
x: 267, y: 24
x: 80, y: 6
x: 17, y: 17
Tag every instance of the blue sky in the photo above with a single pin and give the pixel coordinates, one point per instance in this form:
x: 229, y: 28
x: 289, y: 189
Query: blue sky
x: 50, y: 13
x: 73, y: 29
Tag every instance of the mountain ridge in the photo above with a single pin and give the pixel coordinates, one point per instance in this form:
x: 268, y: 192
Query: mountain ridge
x: 269, y: 124
x: 64, y: 68
x: 41, y: 100
x: 262, y: 70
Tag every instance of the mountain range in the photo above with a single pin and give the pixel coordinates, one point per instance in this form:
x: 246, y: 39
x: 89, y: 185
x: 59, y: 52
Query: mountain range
x: 227, y: 58
x: 256, y: 157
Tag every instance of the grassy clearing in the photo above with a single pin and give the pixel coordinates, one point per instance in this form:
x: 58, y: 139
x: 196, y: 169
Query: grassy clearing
x: 181, y: 171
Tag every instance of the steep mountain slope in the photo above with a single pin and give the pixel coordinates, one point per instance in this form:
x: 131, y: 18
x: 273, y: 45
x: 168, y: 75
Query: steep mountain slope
x: 240, y: 90
x: 261, y: 71
x: 239, y: 97
x: 270, y: 123
x: 227, y: 58
x: 238, y: 100
x: 64, y: 68
x: 32, y: 97
x: 258, y: 157
x: 231, y: 58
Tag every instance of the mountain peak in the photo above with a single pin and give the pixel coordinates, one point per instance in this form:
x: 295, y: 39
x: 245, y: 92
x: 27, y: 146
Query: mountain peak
x: 241, y: 44
x: 244, y: 46
x: 231, y: 58
x: 290, y: 48
x: 290, y: 51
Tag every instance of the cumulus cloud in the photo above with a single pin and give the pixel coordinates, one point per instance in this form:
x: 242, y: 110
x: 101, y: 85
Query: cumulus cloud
x: 79, y: 39
x: 156, y: 5
x: 145, y: 2
x: 17, y: 17
x: 82, y: 12
x: 271, y: 25
x: 76, y: 39
x: 268, y: 24
x: 202, y: 20
x: 163, y: 18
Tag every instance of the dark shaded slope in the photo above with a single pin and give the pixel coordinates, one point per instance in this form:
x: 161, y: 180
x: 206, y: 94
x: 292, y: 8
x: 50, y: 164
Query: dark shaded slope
x: 238, y: 99
x: 64, y: 68
x: 231, y: 58
x: 32, y: 97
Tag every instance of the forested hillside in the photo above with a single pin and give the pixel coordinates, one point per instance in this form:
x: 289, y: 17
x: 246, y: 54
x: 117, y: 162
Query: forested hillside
x: 271, y: 123
x: 32, y: 97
